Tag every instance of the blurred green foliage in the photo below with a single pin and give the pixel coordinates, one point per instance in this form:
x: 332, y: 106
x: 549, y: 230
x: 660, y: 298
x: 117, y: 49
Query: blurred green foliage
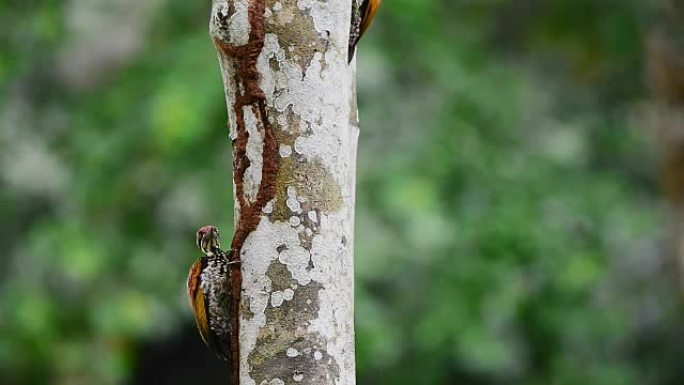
x: 509, y: 221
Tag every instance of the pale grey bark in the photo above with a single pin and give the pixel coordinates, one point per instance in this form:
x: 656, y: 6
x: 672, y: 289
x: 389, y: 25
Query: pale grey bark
x: 296, y: 321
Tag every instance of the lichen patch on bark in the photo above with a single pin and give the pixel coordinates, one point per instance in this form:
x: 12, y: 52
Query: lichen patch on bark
x: 314, y: 185
x: 295, y: 30
x: 286, y: 331
x: 289, y: 324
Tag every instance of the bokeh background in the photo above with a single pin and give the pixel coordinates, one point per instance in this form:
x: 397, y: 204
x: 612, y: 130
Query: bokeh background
x: 517, y: 191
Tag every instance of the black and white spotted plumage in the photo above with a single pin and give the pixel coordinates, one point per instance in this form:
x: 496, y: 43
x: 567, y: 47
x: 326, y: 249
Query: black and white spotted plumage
x: 209, y: 291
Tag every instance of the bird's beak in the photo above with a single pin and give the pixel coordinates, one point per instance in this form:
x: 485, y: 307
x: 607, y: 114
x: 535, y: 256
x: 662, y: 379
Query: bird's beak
x: 209, y: 242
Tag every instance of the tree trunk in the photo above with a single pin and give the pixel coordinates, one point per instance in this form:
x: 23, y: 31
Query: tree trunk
x: 292, y: 117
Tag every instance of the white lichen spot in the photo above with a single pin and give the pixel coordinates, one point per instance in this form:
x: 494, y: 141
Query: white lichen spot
x: 281, y: 118
x: 268, y: 207
x: 298, y: 144
x: 276, y: 381
x: 307, y: 350
x: 238, y: 24
x: 308, y: 302
x: 312, y: 216
x: 277, y: 6
x: 255, y: 146
x: 323, y: 14
x: 298, y: 376
x: 288, y: 294
x: 318, y: 355
x: 296, y: 259
x: 292, y: 202
x: 277, y: 298
x: 292, y: 352
x: 295, y: 221
x: 285, y: 150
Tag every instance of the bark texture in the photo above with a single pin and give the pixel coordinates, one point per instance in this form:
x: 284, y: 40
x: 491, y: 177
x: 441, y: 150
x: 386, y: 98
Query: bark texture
x: 292, y: 118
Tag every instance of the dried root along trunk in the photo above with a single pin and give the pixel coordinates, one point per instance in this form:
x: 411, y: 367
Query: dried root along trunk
x: 292, y: 118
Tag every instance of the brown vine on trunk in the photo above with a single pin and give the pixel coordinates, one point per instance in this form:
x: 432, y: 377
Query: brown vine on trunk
x: 245, y: 58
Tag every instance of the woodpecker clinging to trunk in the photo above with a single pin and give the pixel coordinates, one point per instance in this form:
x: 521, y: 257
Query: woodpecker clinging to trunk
x: 209, y: 292
x: 363, y: 12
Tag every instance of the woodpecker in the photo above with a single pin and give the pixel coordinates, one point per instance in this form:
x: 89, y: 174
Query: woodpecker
x: 209, y: 292
x: 363, y: 12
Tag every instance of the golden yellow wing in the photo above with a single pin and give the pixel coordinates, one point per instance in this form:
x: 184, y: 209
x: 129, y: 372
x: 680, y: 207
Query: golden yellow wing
x: 368, y: 15
x: 196, y: 297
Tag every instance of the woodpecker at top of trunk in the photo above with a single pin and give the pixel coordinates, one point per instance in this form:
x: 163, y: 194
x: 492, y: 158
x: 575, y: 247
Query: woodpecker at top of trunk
x: 209, y: 292
x: 363, y: 12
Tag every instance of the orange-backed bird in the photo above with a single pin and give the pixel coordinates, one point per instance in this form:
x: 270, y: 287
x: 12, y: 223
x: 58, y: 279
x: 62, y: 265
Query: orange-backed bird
x: 363, y: 12
x: 209, y: 292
